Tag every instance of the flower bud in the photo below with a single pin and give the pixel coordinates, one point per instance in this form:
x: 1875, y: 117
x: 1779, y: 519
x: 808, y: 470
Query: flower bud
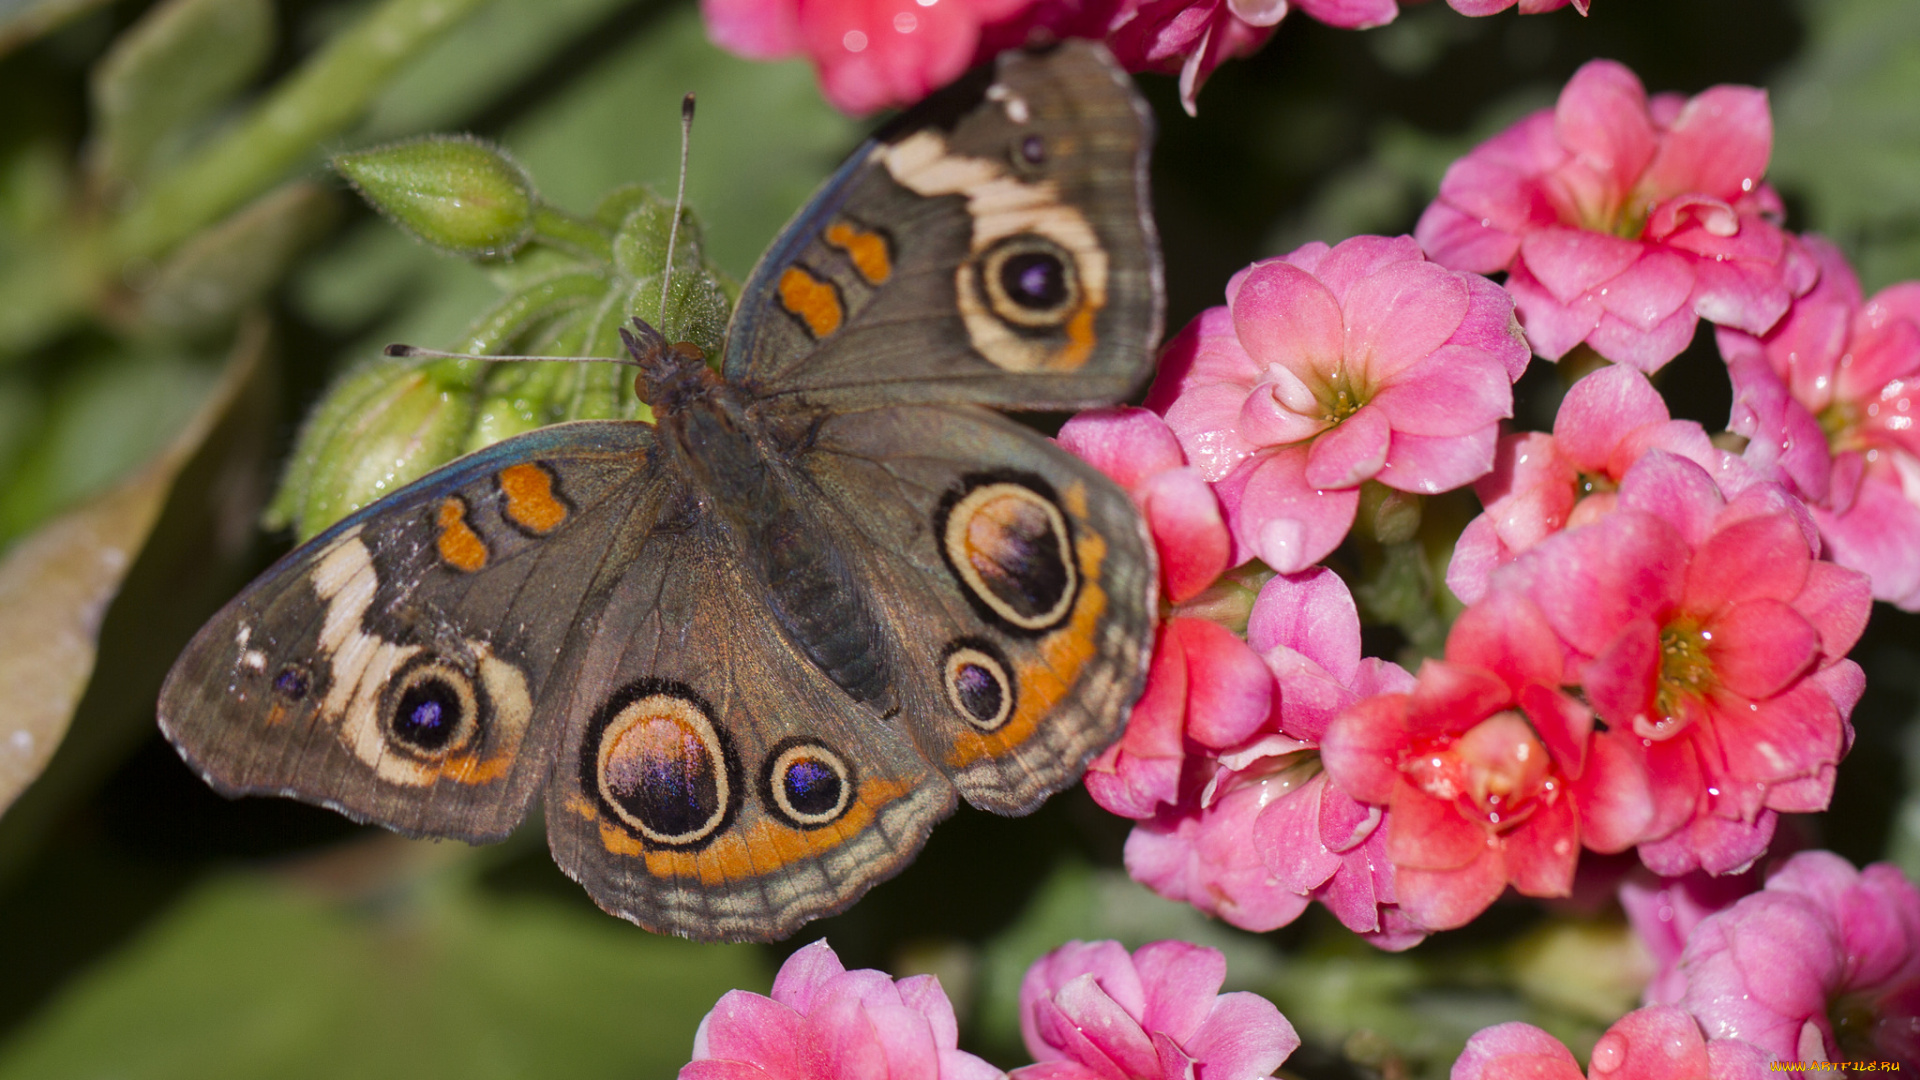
x: 459, y: 194
x: 377, y: 430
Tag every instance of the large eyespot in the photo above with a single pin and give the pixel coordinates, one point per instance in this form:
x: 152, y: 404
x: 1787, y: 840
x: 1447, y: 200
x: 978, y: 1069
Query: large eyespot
x: 1008, y: 543
x: 660, y: 766
x: 434, y: 710
x: 806, y: 784
x: 979, y: 683
x: 1030, y: 282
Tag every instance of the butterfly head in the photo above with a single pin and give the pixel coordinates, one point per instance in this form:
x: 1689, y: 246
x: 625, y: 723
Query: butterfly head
x: 670, y: 375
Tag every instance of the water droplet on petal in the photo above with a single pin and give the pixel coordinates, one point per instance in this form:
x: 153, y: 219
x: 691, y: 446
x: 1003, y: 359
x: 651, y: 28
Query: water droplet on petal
x: 1610, y: 1053
x: 854, y: 41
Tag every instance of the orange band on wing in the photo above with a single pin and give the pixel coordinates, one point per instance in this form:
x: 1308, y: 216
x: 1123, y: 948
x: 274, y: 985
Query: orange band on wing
x: 1045, y: 682
x: 1080, y: 340
x: 816, y: 302
x: 460, y: 547
x: 531, y: 503
x: 867, y: 250
x: 743, y: 854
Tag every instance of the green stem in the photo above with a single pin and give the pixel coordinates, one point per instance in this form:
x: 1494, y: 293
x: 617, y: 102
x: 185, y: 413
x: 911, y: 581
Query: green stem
x: 560, y: 230
x: 329, y: 93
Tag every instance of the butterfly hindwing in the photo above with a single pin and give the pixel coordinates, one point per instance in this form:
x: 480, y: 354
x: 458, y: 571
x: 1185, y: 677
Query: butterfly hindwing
x: 399, y: 667
x: 712, y: 782
x: 1021, y: 590
x: 995, y: 247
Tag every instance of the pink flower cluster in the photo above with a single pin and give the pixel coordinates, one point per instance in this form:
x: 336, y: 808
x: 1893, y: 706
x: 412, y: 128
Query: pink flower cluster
x: 1821, y: 965
x: 1655, y: 653
x: 873, y: 54
x: 1088, y: 1011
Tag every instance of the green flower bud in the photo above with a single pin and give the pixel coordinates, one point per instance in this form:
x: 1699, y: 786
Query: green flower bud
x: 1386, y: 515
x: 380, y: 428
x: 460, y: 194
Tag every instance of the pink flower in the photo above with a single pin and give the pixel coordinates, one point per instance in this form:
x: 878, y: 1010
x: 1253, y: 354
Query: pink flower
x: 1543, y: 483
x: 1088, y: 1011
x: 1206, y: 690
x: 1309, y: 841
x: 1138, y: 451
x: 1710, y: 640
x: 1657, y: 1043
x: 1527, y: 7
x: 1827, y: 398
x: 1664, y: 911
x: 1475, y: 766
x: 827, y: 1023
x: 1821, y: 965
x: 1331, y: 367
x: 870, y: 53
x: 1621, y: 221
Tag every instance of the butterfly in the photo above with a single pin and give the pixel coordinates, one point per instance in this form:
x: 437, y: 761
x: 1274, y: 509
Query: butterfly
x: 749, y: 654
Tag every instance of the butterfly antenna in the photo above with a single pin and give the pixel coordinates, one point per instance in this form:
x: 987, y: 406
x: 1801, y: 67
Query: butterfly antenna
x: 400, y: 351
x: 679, y: 200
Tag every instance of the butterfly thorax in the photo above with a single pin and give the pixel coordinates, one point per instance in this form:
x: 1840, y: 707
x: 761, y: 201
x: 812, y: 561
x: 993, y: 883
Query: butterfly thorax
x: 740, y: 471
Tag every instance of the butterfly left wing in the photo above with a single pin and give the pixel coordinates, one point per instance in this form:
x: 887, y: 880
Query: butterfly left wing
x: 712, y: 782
x: 1020, y: 589
x: 399, y: 667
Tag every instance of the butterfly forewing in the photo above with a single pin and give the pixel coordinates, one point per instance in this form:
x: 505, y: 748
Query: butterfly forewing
x: 400, y: 667
x: 995, y: 246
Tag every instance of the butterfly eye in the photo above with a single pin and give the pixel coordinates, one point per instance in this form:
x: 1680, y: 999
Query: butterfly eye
x: 1030, y: 282
x: 661, y: 768
x: 978, y: 684
x: 435, y: 712
x: 809, y: 785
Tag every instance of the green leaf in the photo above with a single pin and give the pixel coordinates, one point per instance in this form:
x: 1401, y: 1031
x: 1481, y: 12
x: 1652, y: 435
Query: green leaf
x: 385, y: 425
x: 22, y: 21
x: 106, y: 417
x: 250, y: 977
x: 459, y: 194
x: 57, y: 583
x: 1847, y: 135
x: 214, y: 276
x: 166, y: 72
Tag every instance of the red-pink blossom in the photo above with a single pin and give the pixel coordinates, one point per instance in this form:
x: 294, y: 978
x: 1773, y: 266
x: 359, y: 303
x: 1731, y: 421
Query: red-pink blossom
x: 1713, y: 643
x: 1821, y: 965
x: 870, y: 54
x: 1139, y: 452
x: 1475, y: 766
x: 1330, y: 367
x: 824, y: 1022
x: 1543, y: 483
x: 1664, y: 911
x: 1206, y: 691
x: 1089, y: 1011
x: 1655, y: 1043
x: 1623, y: 221
x: 1828, y: 399
x: 1268, y: 834
x: 1527, y: 7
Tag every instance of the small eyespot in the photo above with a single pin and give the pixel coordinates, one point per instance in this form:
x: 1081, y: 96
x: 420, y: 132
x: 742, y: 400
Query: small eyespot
x: 436, y: 711
x: 292, y: 682
x: 979, y: 684
x: 807, y: 784
x: 1029, y: 282
x: 1033, y: 149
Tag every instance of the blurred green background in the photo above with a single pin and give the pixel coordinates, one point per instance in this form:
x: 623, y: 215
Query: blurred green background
x: 180, y: 279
